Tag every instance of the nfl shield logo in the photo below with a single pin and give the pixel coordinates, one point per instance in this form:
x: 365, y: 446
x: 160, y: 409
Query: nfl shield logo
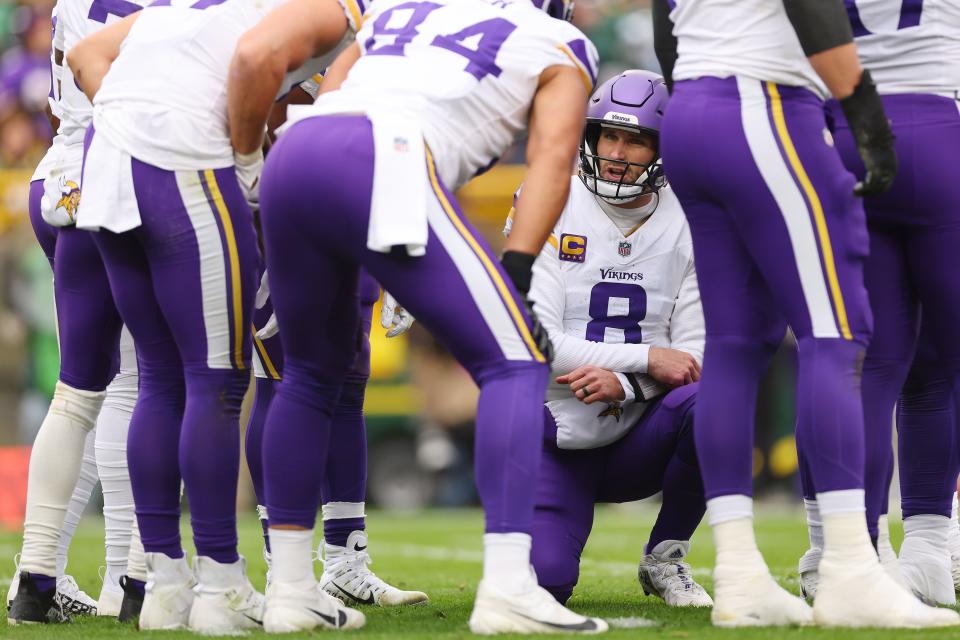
x: 624, y: 248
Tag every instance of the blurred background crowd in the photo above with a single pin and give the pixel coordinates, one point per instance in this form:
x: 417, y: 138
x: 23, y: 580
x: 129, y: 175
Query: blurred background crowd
x: 420, y: 404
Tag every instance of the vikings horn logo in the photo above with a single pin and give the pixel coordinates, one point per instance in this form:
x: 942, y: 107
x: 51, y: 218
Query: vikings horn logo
x: 613, y: 409
x: 69, y: 198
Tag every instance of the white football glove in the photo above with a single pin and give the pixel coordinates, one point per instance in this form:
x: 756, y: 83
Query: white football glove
x: 249, y: 166
x: 260, y: 300
x: 270, y: 329
x: 263, y: 293
x: 394, y: 317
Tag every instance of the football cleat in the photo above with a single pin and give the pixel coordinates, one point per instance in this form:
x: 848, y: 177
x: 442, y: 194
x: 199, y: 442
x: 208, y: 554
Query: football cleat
x: 855, y: 591
x: 663, y: 573
x: 888, y: 557
x: 132, y: 600
x: 305, y: 606
x: 168, y: 595
x: 347, y: 576
x: 925, y: 559
x: 31, y: 606
x: 225, y: 603
x: 747, y: 596
x: 72, y: 600
x: 531, y: 610
x: 110, y: 600
x: 14, y: 581
x: 809, y: 573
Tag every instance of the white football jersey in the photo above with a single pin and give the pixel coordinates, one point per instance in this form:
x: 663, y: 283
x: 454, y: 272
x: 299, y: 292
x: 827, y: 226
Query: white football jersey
x: 52, y: 155
x: 606, y: 298
x: 465, y: 70
x: 164, y: 100
x: 749, y: 38
x: 77, y: 19
x: 910, y: 46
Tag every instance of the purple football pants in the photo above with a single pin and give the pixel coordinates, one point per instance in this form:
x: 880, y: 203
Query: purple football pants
x: 315, y: 248
x: 658, y: 454
x: 184, y: 283
x: 780, y: 239
x: 914, y: 232
x: 346, y: 473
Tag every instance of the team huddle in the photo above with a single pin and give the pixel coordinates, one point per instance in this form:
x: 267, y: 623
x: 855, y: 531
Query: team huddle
x: 808, y: 184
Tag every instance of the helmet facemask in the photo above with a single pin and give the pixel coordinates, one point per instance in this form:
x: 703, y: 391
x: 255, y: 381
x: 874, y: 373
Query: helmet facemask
x: 651, y: 176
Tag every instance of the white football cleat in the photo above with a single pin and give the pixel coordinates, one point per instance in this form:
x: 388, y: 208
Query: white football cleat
x: 925, y: 559
x: 72, y: 600
x: 663, y: 573
x: 748, y: 596
x: 108, y: 604
x: 809, y: 568
x: 953, y: 544
x: 855, y: 591
x: 168, y: 595
x: 532, y: 610
x: 347, y: 576
x: 225, y: 603
x: 304, y: 606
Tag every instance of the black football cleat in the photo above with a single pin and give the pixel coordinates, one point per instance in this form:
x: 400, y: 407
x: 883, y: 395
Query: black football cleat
x: 31, y: 606
x: 132, y: 601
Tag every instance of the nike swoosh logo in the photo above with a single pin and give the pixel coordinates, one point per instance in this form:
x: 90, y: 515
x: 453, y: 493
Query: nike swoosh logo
x: 252, y: 619
x: 337, y: 622
x: 586, y: 625
x: 358, y: 548
x: 367, y: 600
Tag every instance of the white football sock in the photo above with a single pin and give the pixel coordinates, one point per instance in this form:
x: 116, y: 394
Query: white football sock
x: 136, y: 558
x: 953, y: 535
x: 78, y: 501
x: 845, y: 533
x: 54, y: 470
x: 291, y: 555
x: 506, y: 561
x: 343, y: 510
x: 925, y: 558
x: 814, y: 523
x: 731, y: 518
x: 118, y: 512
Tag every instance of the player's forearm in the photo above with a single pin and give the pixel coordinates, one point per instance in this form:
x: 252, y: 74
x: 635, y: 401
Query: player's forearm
x: 252, y: 85
x: 571, y: 352
x: 89, y: 68
x: 823, y: 29
x: 544, y: 195
x: 338, y: 71
x: 839, y: 68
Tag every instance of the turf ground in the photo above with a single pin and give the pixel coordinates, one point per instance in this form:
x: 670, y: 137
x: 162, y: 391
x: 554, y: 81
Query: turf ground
x: 439, y: 552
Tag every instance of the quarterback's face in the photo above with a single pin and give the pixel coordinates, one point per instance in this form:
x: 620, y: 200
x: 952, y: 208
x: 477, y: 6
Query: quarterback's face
x: 620, y: 146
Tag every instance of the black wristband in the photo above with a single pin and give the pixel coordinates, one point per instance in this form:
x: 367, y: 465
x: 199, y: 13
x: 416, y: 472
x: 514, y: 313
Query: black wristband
x: 865, y: 115
x: 519, y: 266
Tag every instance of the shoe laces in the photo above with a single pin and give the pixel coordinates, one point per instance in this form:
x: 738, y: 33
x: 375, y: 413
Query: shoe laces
x: 355, y: 567
x: 676, y: 571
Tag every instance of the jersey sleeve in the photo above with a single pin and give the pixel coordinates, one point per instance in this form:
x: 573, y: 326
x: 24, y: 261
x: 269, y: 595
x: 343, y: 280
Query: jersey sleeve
x: 573, y: 49
x: 687, y: 328
x: 354, y: 10
x: 547, y: 292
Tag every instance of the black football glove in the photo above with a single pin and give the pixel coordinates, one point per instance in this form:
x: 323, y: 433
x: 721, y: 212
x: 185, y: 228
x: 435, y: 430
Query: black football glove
x: 519, y: 266
x: 871, y: 130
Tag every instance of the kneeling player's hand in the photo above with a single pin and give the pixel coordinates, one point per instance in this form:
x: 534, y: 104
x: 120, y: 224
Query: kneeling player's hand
x: 672, y: 367
x: 592, y: 384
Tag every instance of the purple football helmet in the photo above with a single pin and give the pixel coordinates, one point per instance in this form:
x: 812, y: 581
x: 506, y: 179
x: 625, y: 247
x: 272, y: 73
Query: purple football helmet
x: 559, y: 9
x: 633, y: 100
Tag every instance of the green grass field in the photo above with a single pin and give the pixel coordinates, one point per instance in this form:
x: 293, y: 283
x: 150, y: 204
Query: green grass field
x: 439, y: 552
